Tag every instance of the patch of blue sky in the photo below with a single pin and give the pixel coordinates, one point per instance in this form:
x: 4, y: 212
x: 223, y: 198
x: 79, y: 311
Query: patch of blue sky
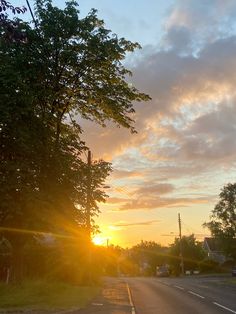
x: 192, y: 110
x: 135, y: 19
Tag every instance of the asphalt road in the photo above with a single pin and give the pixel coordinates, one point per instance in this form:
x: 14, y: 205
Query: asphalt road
x: 191, y: 295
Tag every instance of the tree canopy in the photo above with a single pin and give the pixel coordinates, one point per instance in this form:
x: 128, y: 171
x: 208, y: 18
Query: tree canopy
x: 9, y: 29
x: 192, y: 252
x: 148, y: 255
x: 69, y: 68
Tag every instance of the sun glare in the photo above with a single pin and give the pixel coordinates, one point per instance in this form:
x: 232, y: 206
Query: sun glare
x: 97, y: 240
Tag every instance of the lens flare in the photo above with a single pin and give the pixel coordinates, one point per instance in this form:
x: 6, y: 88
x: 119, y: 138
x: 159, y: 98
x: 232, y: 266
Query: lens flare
x: 98, y: 240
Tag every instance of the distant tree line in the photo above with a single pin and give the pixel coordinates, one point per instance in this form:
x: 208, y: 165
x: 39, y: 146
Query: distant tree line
x: 144, y: 258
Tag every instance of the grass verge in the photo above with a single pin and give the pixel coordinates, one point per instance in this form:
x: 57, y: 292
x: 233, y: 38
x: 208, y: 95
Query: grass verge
x: 232, y: 281
x: 45, y: 295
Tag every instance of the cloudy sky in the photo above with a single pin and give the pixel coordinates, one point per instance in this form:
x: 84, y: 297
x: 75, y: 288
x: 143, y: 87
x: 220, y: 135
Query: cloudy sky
x: 185, y: 149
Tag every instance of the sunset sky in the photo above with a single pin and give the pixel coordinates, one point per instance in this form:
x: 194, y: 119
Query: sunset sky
x: 185, y: 149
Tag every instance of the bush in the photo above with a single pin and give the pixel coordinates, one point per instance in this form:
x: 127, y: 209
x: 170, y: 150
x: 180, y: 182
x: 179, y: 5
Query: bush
x: 209, y: 266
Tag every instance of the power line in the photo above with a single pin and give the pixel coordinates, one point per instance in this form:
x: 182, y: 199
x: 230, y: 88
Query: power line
x: 31, y: 13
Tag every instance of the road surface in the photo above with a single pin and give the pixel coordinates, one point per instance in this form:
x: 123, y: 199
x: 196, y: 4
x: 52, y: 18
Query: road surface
x: 191, y: 295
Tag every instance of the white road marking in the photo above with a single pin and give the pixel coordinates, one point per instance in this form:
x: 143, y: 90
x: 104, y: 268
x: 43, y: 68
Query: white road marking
x: 97, y: 304
x: 165, y: 283
x: 196, y: 294
x: 130, y: 300
x: 178, y: 287
x: 224, y: 307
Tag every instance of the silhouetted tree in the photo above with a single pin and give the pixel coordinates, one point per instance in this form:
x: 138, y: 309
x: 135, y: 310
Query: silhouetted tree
x: 222, y: 222
x: 69, y: 67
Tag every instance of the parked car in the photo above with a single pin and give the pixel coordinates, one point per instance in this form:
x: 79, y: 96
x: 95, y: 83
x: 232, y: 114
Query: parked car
x: 162, y: 271
x: 234, y: 271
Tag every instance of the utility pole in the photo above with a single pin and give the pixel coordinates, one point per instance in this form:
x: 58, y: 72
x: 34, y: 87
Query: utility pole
x: 88, y: 218
x: 88, y: 200
x: 180, y: 246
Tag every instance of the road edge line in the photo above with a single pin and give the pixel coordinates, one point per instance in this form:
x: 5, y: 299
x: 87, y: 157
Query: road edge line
x: 130, y: 299
x: 224, y: 307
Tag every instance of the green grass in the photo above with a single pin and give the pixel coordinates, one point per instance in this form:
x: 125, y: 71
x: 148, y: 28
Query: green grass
x: 232, y: 281
x: 45, y: 295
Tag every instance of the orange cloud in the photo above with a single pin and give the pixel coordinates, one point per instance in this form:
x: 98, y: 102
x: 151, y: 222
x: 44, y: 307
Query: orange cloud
x: 140, y: 223
x: 159, y: 202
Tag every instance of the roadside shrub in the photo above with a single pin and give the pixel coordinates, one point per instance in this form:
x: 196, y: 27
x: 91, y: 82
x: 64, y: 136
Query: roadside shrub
x: 209, y: 266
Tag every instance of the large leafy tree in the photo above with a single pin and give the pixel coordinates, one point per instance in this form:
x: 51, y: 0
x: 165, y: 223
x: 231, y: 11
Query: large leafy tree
x: 69, y: 68
x: 222, y: 222
x: 79, y: 65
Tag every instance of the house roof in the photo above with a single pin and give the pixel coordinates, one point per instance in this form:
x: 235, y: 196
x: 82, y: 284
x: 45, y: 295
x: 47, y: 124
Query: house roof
x: 214, y: 244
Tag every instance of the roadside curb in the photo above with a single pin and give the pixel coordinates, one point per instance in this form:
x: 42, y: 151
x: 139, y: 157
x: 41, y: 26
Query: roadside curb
x: 130, y: 299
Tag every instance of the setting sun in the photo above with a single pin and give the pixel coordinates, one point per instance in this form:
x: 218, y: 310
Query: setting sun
x: 98, y: 240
